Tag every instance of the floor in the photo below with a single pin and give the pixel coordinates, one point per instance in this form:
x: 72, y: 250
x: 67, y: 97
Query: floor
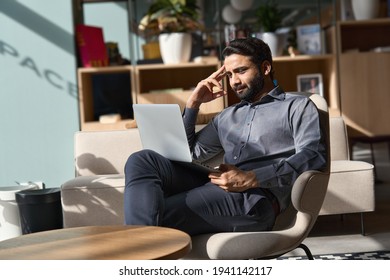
x: 342, y: 234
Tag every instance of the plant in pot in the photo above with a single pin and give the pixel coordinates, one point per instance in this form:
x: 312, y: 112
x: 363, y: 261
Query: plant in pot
x: 172, y: 21
x: 269, y: 17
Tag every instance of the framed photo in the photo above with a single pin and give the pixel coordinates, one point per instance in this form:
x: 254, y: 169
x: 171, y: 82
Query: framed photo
x: 310, y: 83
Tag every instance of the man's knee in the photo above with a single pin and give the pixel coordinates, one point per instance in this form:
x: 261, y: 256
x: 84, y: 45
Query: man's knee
x: 140, y: 160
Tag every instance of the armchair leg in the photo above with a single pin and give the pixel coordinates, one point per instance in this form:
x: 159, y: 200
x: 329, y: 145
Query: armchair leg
x: 362, y: 224
x: 307, y: 251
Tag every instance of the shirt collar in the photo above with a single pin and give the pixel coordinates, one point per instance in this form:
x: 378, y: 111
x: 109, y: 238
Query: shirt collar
x: 276, y: 93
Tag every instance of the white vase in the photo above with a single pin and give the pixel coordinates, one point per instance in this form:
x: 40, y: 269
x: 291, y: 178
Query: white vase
x: 275, y: 41
x: 175, y: 47
x: 365, y: 9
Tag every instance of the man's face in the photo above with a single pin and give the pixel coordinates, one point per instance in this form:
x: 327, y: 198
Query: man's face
x: 244, y: 77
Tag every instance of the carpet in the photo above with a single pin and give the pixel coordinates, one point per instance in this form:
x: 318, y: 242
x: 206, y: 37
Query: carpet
x: 382, y: 255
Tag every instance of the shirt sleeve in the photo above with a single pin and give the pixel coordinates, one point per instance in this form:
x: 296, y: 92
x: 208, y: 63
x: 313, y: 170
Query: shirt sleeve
x: 205, y: 144
x: 310, y: 149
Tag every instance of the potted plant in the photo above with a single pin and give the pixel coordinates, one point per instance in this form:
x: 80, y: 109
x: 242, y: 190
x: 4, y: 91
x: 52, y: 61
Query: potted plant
x: 269, y: 17
x: 172, y: 21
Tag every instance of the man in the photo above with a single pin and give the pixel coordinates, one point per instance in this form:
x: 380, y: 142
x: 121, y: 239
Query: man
x: 268, y: 139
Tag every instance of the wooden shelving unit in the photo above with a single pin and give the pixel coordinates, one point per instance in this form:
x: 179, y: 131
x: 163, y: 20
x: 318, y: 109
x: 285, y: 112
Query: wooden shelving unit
x: 364, y: 76
x: 160, y: 83
x: 288, y: 68
x: 156, y: 83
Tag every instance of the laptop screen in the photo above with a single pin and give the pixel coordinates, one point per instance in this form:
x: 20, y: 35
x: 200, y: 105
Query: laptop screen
x: 162, y: 130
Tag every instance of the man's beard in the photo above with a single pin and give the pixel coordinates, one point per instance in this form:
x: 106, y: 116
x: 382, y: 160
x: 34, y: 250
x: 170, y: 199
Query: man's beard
x: 254, y: 88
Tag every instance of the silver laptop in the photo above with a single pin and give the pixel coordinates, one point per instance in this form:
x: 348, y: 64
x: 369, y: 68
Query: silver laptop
x: 161, y: 129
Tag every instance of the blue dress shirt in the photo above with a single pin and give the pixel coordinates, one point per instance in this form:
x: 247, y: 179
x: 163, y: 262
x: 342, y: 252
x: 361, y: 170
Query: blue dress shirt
x: 278, y: 138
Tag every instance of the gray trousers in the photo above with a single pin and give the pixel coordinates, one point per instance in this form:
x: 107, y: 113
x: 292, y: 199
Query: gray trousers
x: 161, y: 192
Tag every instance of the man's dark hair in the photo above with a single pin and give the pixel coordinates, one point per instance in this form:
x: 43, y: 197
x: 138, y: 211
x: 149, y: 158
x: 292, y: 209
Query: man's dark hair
x: 257, y: 50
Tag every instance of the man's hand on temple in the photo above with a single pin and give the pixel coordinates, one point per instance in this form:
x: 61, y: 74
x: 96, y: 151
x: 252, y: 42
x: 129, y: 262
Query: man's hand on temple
x: 208, y: 89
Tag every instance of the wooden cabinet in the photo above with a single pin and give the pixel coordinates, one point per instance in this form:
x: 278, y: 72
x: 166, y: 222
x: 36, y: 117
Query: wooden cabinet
x: 156, y: 83
x: 364, y: 67
x: 160, y: 83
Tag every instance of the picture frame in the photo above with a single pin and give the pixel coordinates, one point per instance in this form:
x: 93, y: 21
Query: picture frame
x: 310, y: 83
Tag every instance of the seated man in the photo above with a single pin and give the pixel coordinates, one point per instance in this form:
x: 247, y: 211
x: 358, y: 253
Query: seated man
x: 268, y: 140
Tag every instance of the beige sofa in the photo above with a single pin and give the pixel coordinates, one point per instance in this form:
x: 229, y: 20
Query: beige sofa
x: 95, y: 195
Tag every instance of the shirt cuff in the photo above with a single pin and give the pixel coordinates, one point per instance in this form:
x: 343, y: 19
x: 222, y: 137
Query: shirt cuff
x: 267, y: 177
x: 190, y: 115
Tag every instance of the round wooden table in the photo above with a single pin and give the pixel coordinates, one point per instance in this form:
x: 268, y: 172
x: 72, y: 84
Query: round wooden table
x: 98, y: 243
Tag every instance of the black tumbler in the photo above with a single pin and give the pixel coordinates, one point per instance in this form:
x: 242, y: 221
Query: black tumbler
x: 39, y: 210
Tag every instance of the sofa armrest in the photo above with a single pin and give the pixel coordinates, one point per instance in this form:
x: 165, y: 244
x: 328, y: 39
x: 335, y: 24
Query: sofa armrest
x: 93, y: 200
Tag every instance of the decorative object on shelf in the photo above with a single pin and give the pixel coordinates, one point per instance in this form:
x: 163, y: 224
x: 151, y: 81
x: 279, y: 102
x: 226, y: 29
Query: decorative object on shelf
x: 364, y: 9
x: 114, y: 55
x: 269, y: 17
x: 309, y: 39
x: 109, y: 118
x: 175, y: 47
x: 310, y: 83
x: 91, y: 46
x: 151, y: 50
x: 167, y: 17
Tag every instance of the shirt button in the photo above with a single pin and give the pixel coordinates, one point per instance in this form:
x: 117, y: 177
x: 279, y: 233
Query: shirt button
x: 235, y: 157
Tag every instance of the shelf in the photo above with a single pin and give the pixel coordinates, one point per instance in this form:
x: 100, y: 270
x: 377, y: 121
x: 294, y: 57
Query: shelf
x: 105, y: 90
x: 145, y: 83
x: 121, y: 125
x: 185, y: 76
x: 363, y: 35
x: 302, y: 58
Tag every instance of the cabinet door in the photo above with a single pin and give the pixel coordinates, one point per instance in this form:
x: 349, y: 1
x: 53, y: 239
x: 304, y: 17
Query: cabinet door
x: 365, y: 96
x: 364, y: 83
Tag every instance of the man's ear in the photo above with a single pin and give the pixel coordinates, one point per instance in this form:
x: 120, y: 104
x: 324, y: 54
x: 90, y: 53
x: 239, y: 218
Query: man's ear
x: 266, y: 68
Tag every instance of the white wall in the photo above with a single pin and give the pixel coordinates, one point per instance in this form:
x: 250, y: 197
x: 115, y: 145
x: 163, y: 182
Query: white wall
x: 38, y: 94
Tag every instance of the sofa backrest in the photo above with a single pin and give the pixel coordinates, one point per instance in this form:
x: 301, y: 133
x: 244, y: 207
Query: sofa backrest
x: 104, y: 152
